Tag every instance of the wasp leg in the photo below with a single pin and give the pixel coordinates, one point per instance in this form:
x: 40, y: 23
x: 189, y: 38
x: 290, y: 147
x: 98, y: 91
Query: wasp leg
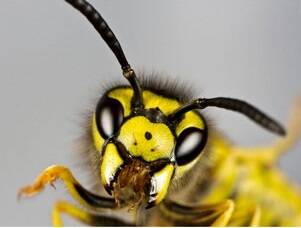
x: 270, y: 154
x: 54, y: 172
x: 224, y: 218
x: 246, y: 217
x: 255, y: 221
x: 205, y: 215
x: 63, y: 207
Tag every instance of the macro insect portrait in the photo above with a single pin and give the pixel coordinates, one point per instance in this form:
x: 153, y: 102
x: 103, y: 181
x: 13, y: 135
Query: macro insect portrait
x: 157, y: 158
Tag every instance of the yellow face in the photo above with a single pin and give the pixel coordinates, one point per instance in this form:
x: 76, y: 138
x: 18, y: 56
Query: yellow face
x: 139, y: 151
x: 150, y: 141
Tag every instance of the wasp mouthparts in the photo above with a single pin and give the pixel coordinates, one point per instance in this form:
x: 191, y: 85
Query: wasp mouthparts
x: 132, y: 184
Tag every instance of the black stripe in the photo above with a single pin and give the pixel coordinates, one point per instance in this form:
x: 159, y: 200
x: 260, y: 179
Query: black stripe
x: 95, y: 200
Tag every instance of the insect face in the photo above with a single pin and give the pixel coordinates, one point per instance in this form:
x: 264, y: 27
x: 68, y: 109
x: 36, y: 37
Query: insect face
x: 135, y: 129
x: 141, y: 149
x: 146, y: 140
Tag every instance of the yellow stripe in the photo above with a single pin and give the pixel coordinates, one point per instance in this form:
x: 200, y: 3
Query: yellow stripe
x: 110, y: 164
x: 98, y: 140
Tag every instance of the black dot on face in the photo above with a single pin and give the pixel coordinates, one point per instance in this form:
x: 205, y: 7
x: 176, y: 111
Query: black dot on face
x: 148, y: 135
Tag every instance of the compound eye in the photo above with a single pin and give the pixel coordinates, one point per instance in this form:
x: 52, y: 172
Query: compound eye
x: 190, y: 144
x: 109, y: 116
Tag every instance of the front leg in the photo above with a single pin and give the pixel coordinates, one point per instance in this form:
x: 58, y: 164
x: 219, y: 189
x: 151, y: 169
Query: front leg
x: 84, y: 216
x: 79, y: 193
x: 205, y: 215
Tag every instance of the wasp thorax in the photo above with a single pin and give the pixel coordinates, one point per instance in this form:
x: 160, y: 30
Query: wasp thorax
x: 132, y: 185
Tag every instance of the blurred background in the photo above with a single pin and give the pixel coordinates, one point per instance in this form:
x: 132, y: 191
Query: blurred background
x: 53, y: 66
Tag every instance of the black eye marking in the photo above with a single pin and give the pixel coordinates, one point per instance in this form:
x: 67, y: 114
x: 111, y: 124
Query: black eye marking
x: 190, y: 144
x: 148, y: 135
x: 109, y: 116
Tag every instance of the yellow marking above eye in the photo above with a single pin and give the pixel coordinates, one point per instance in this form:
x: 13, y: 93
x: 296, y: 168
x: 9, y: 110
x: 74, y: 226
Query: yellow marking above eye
x: 150, y: 100
x: 191, y: 119
x: 153, y: 100
x: 142, y: 138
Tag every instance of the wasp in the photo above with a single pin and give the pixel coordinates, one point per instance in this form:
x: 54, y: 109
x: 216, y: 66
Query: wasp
x: 156, y: 155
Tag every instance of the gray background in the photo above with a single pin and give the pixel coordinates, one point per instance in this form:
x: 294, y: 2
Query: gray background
x: 53, y: 64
